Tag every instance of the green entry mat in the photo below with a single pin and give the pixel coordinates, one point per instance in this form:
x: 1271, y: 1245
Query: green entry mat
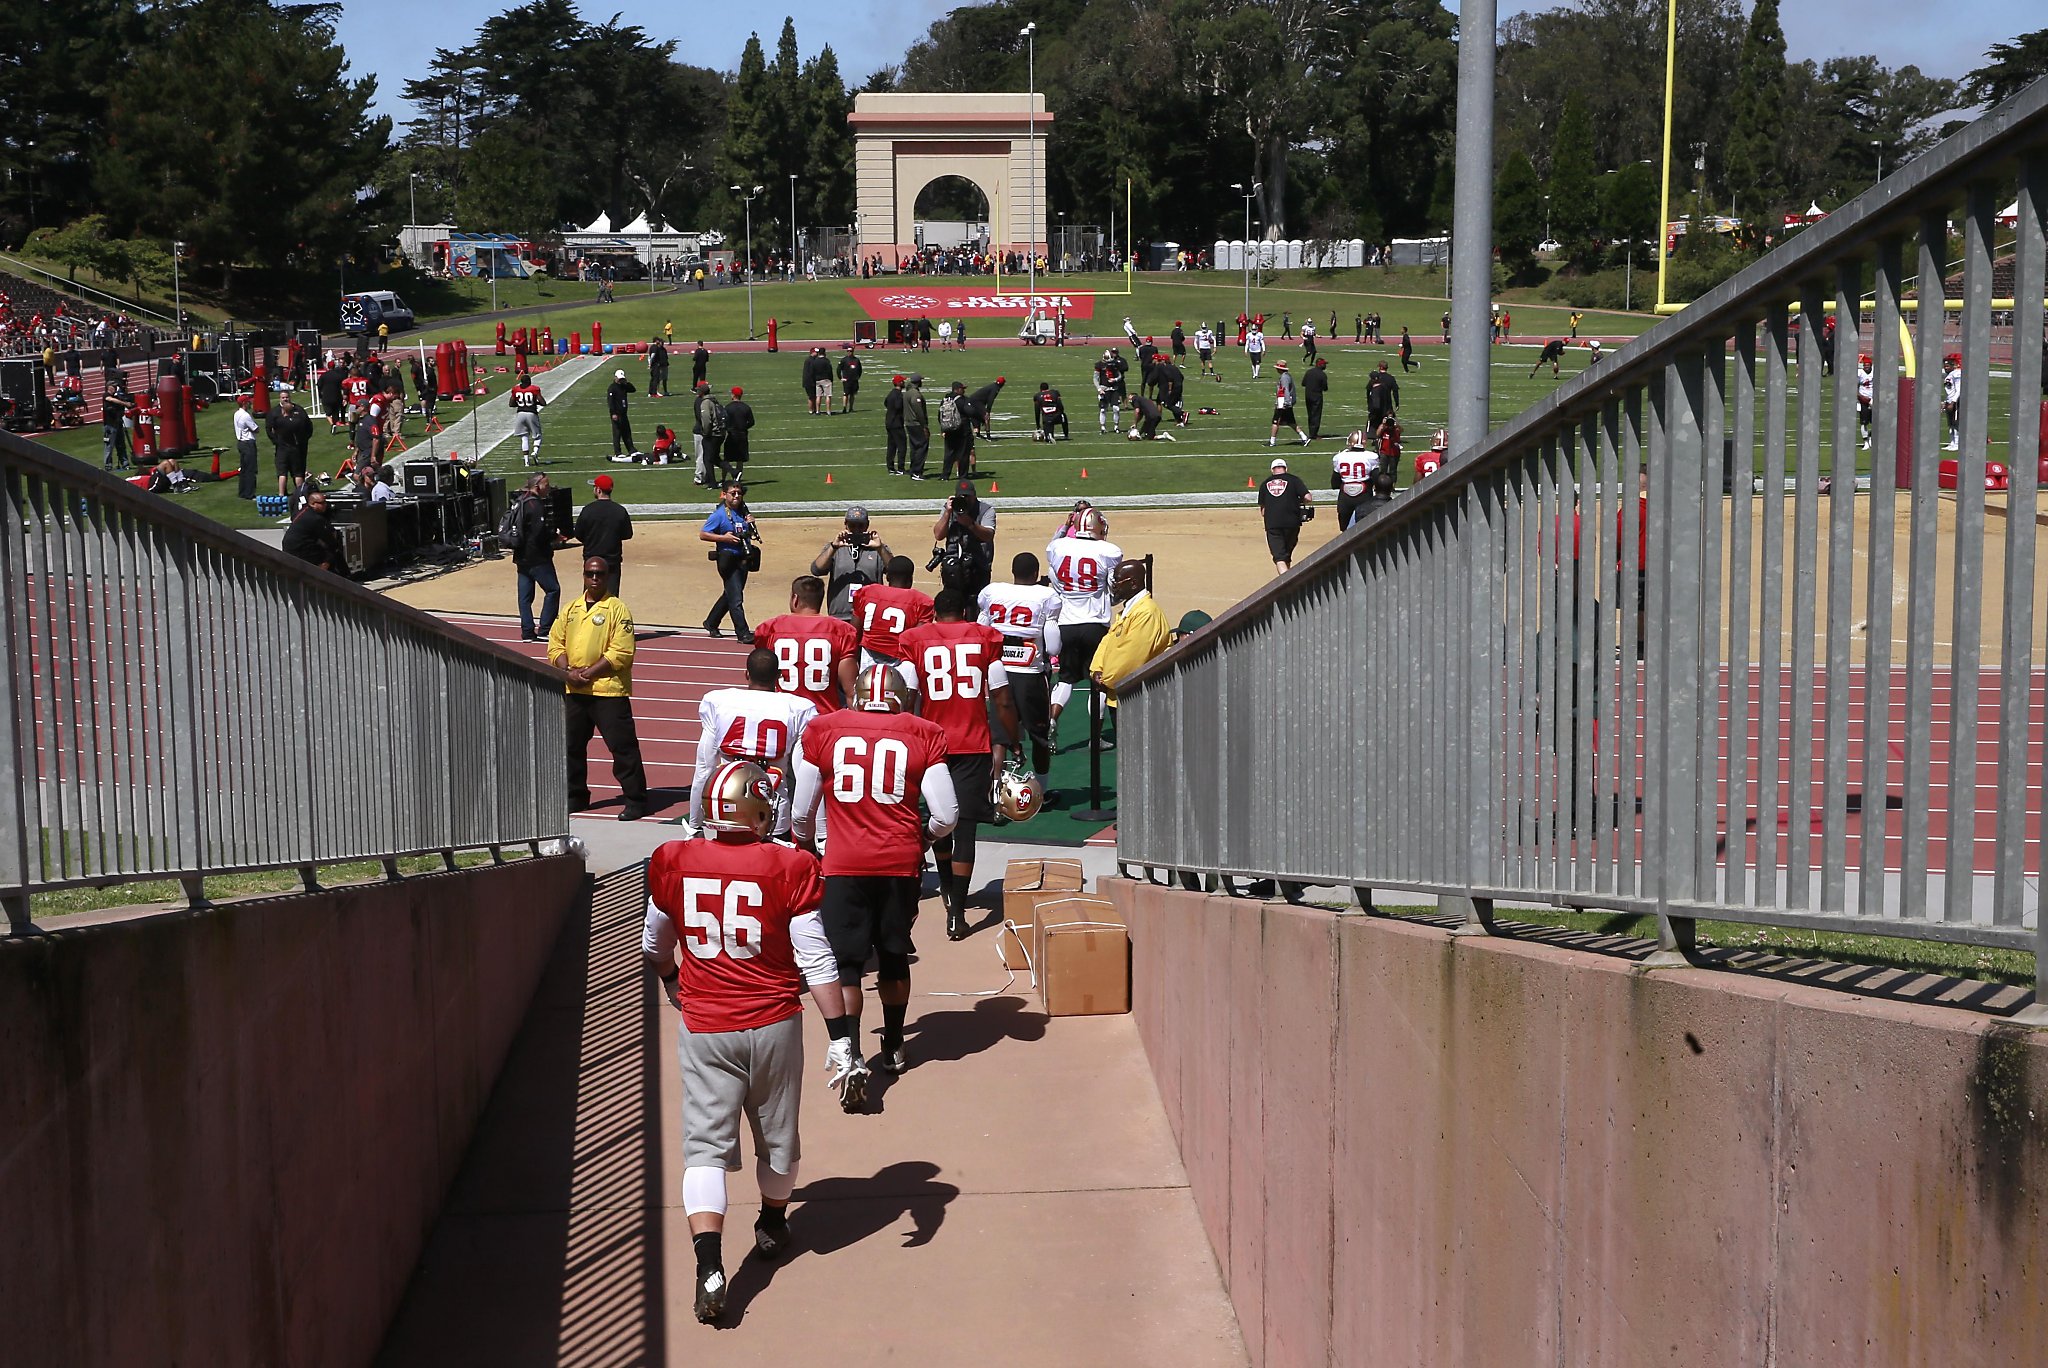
x: 1057, y: 823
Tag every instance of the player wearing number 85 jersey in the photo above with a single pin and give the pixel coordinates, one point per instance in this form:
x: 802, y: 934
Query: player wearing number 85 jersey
x: 869, y: 765
x: 745, y: 916
x: 958, y: 666
x: 1027, y: 614
x: 815, y: 652
x: 760, y: 724
x: 1081, y: 564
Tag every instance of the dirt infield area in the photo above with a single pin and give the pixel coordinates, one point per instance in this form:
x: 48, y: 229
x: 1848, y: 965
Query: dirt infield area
x: 1202, y: 558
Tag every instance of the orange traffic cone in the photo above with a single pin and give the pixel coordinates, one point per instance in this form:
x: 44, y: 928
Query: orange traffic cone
x: 1250, y: 483
x: 994, y: 488
x: 828, y: 477
x: 1084, y: 472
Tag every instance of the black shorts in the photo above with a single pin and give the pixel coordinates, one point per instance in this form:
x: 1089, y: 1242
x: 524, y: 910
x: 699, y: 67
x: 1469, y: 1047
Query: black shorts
x: 974, y: 774
x: 1280, y: 542
x: 1077, y: 649
x: 863, y: 913
x: 1284, y: 415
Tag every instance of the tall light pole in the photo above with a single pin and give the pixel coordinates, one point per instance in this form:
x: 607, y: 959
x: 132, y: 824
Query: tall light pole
x: 792, y: 226
x: 748, y: 199
x: 1880, y: 157
x: 1029, y: 33
x: 1248, y: 195
x: 177, y: 291
x: 412, y: 193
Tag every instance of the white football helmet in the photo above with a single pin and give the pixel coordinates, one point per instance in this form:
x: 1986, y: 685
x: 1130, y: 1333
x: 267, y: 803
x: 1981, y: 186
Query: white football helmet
x: 740, y: 798
x: 881, y: 689
x: 1018, y: 796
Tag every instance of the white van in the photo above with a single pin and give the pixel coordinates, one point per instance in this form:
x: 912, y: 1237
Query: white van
x: 362, y: 313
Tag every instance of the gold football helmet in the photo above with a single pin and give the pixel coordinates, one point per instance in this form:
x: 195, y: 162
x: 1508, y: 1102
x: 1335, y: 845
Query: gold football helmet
x: 881, y: 689
x: 1018, y: 796
x: 1091, y: 524
x: 740, y: 798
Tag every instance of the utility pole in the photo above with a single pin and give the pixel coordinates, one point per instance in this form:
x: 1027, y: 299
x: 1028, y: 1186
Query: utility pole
x: 1472, y: 229
x: 1248, y: 196
x: 1029, y: 33
x: 748, y: 198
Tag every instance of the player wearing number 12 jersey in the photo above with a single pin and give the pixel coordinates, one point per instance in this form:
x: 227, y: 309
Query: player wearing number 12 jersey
x: 759, y: 723
x: 815, y: 652
x: 869, y: 764
x: 1081, y: 564
x: 883, y: 612
x: 958, y: 666
x: 1028, y: 615
x: 745, y: 913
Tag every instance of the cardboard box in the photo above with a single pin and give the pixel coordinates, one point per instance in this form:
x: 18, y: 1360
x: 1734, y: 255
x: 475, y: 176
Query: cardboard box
x: 1027, y: 883
x: 1085, y: 970
x: 1067, y: 910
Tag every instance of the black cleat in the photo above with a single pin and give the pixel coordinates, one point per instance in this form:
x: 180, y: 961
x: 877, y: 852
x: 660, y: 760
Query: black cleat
x: 956, y: 925
x: 892, y: 1060
x: 710, y: 1296
x: 853, y: 1090
x: 771, y: 1233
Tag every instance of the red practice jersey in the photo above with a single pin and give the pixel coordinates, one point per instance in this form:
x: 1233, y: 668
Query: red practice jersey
x: 809, y: 650
x: 730, y: 905
x: 872, y: 765
x: 958, y: 665
x: 527, y: 398
x: 883, y: 613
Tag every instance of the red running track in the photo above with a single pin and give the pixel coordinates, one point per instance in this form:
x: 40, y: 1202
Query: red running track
x: 673, y: 668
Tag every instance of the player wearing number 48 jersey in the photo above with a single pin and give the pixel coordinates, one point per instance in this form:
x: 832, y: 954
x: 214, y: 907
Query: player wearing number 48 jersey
x: 958, y: 666
x: 747, y: 914
x: 760, y: 724
x: 815, y: 652
x: 1081, y: 564
x: 868, y: 765
x: 1028, y: 616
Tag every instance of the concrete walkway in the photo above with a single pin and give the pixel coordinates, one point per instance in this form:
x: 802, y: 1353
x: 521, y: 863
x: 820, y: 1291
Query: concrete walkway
x: 1015, y: 1199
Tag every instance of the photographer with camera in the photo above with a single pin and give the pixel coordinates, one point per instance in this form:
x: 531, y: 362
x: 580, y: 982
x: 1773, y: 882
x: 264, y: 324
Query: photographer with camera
x: 966, y: 535
x: 853, y: 558
x: 734, y: 549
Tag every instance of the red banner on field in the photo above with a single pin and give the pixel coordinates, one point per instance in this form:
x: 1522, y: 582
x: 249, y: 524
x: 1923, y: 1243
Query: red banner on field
x: 912, y: 299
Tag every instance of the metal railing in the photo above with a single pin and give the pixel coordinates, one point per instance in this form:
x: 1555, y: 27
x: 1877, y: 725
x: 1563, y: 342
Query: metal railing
x: 184, y: 702
x: 1833, y: 719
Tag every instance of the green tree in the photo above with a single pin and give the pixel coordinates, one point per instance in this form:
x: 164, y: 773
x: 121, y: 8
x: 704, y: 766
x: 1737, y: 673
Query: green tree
x: 754, y: 118
x: 1755, y: 170
x: 1628, y: 206
x: 2009, y: 68
x: 825, y: 194
x: 1573, y: 210
x: 1517, y: 215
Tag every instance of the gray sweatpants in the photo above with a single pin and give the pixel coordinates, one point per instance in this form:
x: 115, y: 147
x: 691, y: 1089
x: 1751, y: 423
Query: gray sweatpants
x: 758, y: 1073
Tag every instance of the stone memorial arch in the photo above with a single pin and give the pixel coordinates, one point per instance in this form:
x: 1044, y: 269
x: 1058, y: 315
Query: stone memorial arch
x: 902, y: 143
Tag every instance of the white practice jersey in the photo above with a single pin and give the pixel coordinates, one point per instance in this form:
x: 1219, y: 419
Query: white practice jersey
x: 1866, y: 384
x: 1081, y: 570
x: 1952, y: 386
x: 1028, y: 616
x: 750, y: 724
x: 1354, y: 470
x: 1204, y: 340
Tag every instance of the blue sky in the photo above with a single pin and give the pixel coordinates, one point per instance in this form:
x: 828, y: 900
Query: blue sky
x: 394, y: 40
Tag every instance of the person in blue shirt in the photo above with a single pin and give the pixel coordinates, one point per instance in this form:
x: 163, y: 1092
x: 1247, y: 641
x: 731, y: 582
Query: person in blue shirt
x: 731, y: 532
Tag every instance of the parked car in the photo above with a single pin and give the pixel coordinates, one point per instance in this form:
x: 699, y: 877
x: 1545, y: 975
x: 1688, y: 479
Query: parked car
x: 363, y: 312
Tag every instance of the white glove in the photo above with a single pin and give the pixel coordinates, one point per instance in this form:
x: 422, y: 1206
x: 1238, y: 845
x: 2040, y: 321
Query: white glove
x: 839, y: 1059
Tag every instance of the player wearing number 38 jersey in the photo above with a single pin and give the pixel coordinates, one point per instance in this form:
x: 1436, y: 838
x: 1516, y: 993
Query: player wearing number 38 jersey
x: 815, y: 652
x: 869, y: 765
x: 741, y: 916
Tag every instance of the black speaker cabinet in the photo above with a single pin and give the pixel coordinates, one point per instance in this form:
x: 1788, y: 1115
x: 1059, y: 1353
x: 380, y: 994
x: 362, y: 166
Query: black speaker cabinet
x: 561, y: 512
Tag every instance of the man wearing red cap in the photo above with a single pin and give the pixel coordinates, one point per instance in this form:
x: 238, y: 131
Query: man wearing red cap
x: 604, y: 527
x: 739, y: 420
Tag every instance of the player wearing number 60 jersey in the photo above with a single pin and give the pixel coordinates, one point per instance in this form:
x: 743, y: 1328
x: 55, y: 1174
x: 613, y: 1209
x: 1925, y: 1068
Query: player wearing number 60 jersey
x: 815, y: 652
x: 760, y: 724
x: 958, y: 666
x: 1028, y: 616
x: 1081, y: 564
x: 869, y: 765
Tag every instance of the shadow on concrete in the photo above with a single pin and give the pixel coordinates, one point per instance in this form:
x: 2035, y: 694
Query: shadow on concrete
x: 549, y: 1248
x: 950, y: 1036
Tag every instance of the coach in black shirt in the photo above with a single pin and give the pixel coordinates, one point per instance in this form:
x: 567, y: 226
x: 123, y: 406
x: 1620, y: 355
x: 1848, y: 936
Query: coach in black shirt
x: 604, y: 527
x: 1284, y: 505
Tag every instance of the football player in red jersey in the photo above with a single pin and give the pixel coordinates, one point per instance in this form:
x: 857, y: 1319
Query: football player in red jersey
x: 526, y: 402
x: 815, y: 652
x: 883, y: 612
x: 958, y: 665
x: 747, y: 913
x: 869, y: 764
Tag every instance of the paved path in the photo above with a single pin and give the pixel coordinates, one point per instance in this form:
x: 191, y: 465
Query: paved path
x: 1016, y: 1199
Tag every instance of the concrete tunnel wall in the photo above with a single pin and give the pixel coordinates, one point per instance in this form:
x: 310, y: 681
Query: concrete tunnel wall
x: 1417, y: 1149
x: 224, y: 1135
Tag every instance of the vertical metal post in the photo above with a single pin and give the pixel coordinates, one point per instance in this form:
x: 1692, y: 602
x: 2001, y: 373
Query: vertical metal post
x: 1472, y: 229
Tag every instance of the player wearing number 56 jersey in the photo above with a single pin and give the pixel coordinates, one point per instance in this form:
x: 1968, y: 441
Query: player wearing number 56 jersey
x: 883, y: 612
x: 745, y: 916
x: 815, y: 652
x: 1028, y: 616
x: 869, y: 765
x: 1081, y: 565
x: 760, y: 724
x: 958, y: 666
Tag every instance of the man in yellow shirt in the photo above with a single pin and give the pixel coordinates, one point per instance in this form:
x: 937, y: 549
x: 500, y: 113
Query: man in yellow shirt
x: 1137, y: 634
x: 592, y: 642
